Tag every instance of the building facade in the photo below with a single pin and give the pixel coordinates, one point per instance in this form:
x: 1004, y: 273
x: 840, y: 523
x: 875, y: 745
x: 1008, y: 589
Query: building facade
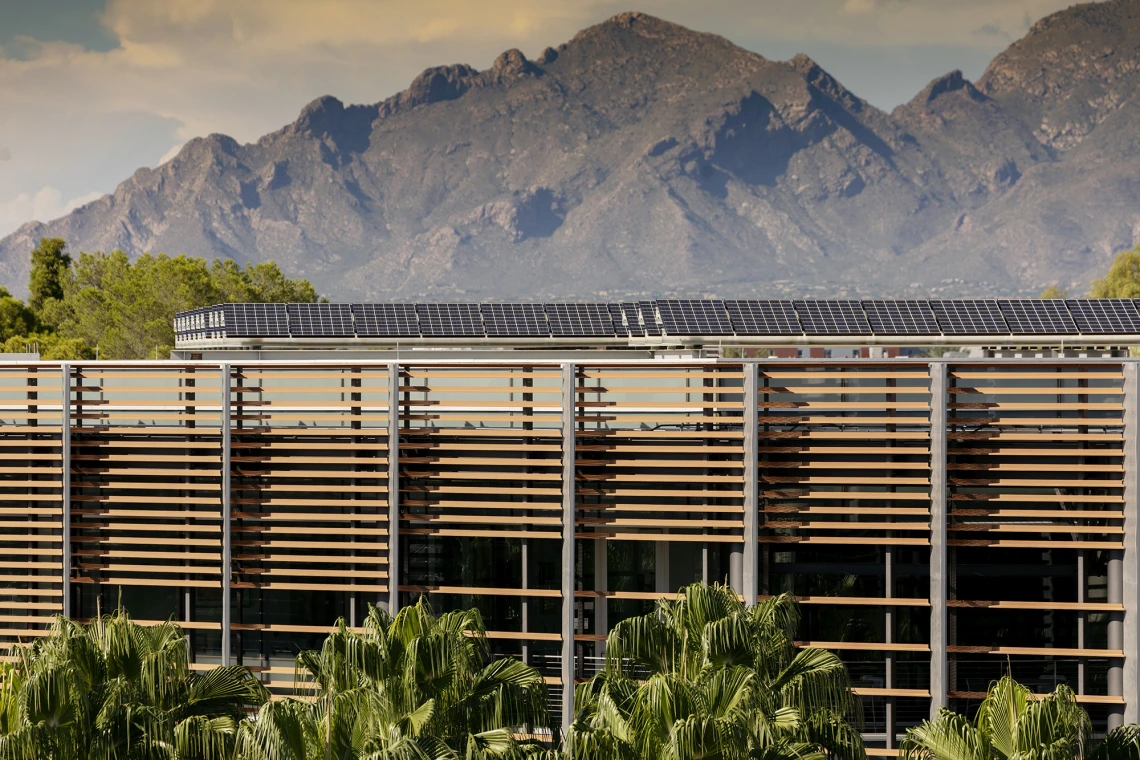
x: 939, y: 521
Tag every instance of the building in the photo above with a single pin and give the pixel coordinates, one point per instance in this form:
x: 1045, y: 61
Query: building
x: 939, y: 519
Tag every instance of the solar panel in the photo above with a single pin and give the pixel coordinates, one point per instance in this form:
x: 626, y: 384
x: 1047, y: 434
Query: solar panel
x: 445, y: 320
x: 632, y: 315
x: 901, y: 318
x: 514, y: 319
x: 649, y: 317
x: 618, y: 317
x: 385, y: 320
x: 1036, y: 316
x: 580, y: 319
x: 692, y: 317
x: 763, y: 317
x: 1105, y: 316
x: 974, y: 317
x: 256, y: 320
x: 832, y: 318
x: 322, y: 320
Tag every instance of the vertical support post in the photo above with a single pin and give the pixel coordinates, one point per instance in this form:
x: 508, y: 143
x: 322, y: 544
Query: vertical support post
x: 65, y: 484
x: 939, y: 565
x: 569, y: 428
x: 889, y: 656
x: 393, y: 488
x: 227, y: 603
x: 750, y: 588
x: 661, y: 567
x: 1131, y: 560
x: 601, y: 585
x: 525, y: 560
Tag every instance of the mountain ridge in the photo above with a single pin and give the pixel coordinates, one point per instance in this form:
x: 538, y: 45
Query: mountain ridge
x: 641, y: 157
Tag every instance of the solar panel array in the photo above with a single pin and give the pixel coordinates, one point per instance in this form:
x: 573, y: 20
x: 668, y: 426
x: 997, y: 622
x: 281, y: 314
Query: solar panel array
x: 763, y: 317
x: 580, y: 320
x: 833, y: 318
x: 901, y: 318
x: 647, y: 320
x: 969, y: 317
x: 320, y: 320
x: 386, y: 320
x: 524, y: 320
x: 692, y: 317
x: 448, y: 320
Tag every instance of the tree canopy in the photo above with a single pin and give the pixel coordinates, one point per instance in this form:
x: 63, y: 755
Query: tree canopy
x: 1122, y: 279
x: 106, y: 303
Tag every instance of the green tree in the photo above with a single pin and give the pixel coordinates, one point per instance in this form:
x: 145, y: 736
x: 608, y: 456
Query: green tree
x: 127, y: 308
x: 1013, y: 724
x: 15, y: 317
x: 50, y: 267
x: 413, y: 686
x: 1122, y: 279
x: 1053, y: 291
x: 115, y: 690
x: 703, y: 676
x: 51, y: 346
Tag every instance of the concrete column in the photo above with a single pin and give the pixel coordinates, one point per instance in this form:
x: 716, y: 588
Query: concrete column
x: 1116, y: 637
x: 736, y: 568
x: 661, y: 568
x: 393, y: 488
x: 227, y: 567
x: 939, y: 565
x: 601, y: 584
x: 1130, y: 586
x: 749, y: 586
x: 65, y: 484
x: 568, y: 514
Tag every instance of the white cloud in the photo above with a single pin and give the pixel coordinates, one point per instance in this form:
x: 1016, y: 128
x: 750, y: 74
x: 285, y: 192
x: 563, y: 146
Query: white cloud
x: 44, y: 205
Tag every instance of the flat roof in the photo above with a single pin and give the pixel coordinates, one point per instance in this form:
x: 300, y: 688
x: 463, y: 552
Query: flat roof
x: 662, y: 323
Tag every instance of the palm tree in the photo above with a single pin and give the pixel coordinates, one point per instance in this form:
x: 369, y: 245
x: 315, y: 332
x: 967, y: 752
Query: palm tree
x: 706, y: 677
x: 113, y: 689
x: 412, y: 686
x: 1013, y: 724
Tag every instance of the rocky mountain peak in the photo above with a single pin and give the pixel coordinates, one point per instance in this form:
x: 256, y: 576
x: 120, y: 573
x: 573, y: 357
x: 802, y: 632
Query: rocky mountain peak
x: 641, y: 157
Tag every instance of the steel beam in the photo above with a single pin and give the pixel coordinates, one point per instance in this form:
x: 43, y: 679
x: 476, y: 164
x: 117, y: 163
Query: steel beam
x: 568, y: 515
x: 1130, y: 583
x: 393, y: 488
x: 939, y: 565
x: 227, y: 603
x: 750, y: 588
x: 65, y: 483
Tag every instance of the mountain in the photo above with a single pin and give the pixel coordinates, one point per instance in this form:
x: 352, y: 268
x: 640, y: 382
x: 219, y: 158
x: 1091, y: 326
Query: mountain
x: 642, y: 157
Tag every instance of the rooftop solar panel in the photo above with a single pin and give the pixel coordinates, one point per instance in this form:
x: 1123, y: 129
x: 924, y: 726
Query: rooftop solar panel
x: 692, y: 317
x: 901, y: 318
x: 1035, y: 316
x: 763, y: 317
x: 514, y: 319
x: 445, y: 320
x: 385, y: 320
x: 580, y: 320
x: 320, y: 320
x: 1105, y: 316
x: 832, y: 318
x: 969, y: 317
x: 649, y: 317
x: 256, y: 320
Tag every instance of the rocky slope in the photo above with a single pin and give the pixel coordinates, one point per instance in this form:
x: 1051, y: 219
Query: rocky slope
x: 642, y: 157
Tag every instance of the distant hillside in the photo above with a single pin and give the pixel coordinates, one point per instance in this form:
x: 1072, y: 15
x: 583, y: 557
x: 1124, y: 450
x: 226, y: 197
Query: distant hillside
x: 643, y: 157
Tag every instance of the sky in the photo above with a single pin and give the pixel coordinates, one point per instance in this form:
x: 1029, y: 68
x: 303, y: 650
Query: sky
x: 92, y: 90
